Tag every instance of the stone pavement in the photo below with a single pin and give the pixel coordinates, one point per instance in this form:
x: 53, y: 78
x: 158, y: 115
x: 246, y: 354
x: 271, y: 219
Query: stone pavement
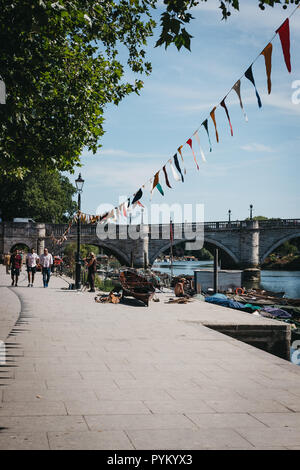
x: 82, y: 375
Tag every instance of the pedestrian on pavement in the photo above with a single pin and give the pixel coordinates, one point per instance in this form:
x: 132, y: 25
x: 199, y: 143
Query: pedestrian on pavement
x: 46, y: 262
x: 7, y: 262
x: 92, y: 266
x: 31, y: 262
x: 16, y: 267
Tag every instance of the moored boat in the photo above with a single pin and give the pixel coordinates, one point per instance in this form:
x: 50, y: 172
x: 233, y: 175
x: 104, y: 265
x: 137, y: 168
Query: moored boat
x: 136, y: 285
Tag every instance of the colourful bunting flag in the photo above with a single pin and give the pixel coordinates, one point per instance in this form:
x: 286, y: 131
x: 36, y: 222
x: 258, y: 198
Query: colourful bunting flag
x: 166, y: 177
x: 249, y: 75
x: 179, y: 150
x: 175, y: 175
x: 178, y: 167
x: 156, y: 180
x: 267, y: 53
x: 137, y: 196
x: 158, y: 186
x: 205, y: 124
x: 190, y: 143
x: 212, y: 115
x: 237, y: 88
x: 284, y: 34
x: 201, y: 151
x: 227, y: 114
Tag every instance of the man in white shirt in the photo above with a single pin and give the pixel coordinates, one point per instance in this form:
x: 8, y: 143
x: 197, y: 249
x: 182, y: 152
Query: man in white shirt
x: 31, y: 261
x: 46, y: 262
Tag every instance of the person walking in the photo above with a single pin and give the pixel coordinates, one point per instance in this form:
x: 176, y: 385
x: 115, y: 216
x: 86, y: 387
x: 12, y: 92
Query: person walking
x: 92, y: 266
x: 31, y: 262
x: 7, y: 262
x: 46, y: 262
x: 16, y: 267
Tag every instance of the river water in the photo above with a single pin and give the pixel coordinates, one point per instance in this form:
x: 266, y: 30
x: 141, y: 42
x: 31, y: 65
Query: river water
x: 277, y: 281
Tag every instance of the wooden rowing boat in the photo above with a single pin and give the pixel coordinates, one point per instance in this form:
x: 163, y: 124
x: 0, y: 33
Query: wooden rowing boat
x: 137, y: 286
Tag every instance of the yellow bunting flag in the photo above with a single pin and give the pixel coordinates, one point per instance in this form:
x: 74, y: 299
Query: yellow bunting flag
x: 179, y: 150
x: 212, y: 115
x: 267, y: 53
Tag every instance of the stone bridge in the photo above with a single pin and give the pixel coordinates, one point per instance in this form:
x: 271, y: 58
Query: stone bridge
x: 245, y: 243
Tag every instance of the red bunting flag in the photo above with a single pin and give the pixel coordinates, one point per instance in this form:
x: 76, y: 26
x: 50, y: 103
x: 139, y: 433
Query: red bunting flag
x: 190, y: 143
x: 227, y: 114
x: 284, y: 34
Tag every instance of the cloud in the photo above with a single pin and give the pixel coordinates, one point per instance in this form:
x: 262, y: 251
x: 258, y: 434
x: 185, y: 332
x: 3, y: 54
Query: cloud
x: 255, y: 147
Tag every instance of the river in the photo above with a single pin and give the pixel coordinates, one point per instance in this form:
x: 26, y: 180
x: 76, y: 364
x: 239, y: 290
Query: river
x: 277, y: 281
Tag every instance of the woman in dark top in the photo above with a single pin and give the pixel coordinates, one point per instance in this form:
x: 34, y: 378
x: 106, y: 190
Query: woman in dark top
x: 91, y: 264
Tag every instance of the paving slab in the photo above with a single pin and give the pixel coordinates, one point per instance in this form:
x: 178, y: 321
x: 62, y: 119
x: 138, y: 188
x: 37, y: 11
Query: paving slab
x: 91, y: 376
x: 24, y: 441
x: 188, y: 439
x: 138, y: 422
x: 89, y: 440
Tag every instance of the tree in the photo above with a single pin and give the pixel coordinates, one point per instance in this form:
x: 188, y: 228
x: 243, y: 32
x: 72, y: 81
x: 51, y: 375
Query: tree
x: 43, y: 196
x: 60, y: 65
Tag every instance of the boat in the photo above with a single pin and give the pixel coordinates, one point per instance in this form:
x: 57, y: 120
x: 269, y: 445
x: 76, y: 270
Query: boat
x: 136, y: 285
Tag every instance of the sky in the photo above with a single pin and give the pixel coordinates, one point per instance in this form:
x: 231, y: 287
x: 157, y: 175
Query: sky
x: 259, y: 165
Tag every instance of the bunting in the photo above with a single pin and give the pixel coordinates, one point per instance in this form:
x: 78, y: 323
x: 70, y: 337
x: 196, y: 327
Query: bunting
x: 249, y: 75
x: 175, y: 175
x: 178, y: 166
x: 137, y: 196
x: 237, y: 88
x: 212, y: 115
x: 205, y: 125
x: 166, y: 177
x: 179, y: 150
x: 190, y: 143
x: 267, y: 53
x: 201, y: 151
x: 227, y: 114
x: 284, y: 35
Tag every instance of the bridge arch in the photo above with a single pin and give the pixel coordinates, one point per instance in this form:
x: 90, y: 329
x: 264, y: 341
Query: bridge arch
x: 112, y: 249
x: 209, y: 241
x: 278, y: 243
x: 20, y: 246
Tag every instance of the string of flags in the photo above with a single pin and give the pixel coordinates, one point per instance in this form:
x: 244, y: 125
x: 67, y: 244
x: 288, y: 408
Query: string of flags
x: 177, y: 166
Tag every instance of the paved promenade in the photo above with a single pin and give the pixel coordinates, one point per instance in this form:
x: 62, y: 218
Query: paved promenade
x: 82, y: 375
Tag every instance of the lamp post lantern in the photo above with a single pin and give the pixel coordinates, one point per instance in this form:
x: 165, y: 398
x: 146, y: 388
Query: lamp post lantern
x: 79, y: 185
x: 229, y: 215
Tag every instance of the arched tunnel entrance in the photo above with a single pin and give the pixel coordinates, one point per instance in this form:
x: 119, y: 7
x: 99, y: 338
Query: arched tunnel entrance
x: 205, y: 254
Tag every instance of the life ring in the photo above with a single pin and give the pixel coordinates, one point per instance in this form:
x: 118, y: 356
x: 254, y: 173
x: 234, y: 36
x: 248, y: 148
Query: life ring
x: 239, y: 290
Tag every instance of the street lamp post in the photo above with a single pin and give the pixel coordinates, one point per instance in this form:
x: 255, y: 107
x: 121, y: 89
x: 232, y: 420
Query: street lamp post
x: 79, y: 185
x: 251, y: 210
x: 229, y: 215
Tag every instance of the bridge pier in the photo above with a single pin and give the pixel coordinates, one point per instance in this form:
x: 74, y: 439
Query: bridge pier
x: 41, y: 235
x: 249, y: 254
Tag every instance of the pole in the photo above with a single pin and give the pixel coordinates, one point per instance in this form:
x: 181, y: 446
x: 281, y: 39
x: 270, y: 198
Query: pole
x: 171, y: 247
x: 216, y: 255
x: 78, y: 263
